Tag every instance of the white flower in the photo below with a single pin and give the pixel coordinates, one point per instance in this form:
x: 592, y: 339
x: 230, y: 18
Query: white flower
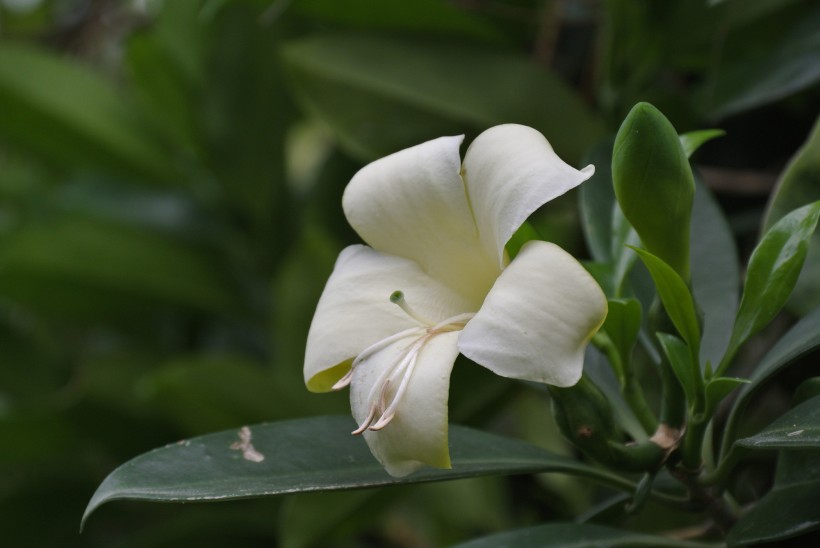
x: 436, y: 280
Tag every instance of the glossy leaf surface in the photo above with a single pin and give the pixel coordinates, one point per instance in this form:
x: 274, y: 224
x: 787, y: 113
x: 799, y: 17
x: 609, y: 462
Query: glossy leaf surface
x: 314, y: 454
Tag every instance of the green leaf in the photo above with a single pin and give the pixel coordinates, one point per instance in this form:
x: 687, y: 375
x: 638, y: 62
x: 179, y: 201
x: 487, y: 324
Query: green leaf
x: 798, y: 185
x: 654, y: 184
x: 676, y: 298
x: 314, y: 454
x: 681, y: 361
x: 78, y: 263
x: 772, y: 273
x: 572, y: 535
x: 715, y: 274
x: 623, y: 237
x: 382, y: 94
x: 596, y: 198
x: 72, y: 117
x: 622, y: 325
x: 768, y: 60
x: 802, y: 338
x: 799, y: 428
x: 693, y: 140
x: 783, y: 513
x: 718, y: 388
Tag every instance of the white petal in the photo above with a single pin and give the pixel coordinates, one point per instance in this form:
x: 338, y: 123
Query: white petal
x: 355, y: 310
x: 413, y: 204
x: 510, y: 171
x: 417, y: 434
x: 537, y: 319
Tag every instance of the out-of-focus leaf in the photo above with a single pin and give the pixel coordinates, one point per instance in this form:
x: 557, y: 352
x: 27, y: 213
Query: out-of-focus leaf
x: 595, y: 199
x: 72, y: 117
x: 384, y: 94
x: 783, y: 513
x: 799, y: 185
x: 427, y: 16
x: 203, y: 394
x: 623, y: 322
x: 695, y: 139
x: 772, y: 272
x: 715, y: 273
x: 799, y: 428
x: 676, y: 299
x: 47, y: 263
x: 802, y: 338
x: 768, y: 60
x: 315, y: 454
x: 572, y: 535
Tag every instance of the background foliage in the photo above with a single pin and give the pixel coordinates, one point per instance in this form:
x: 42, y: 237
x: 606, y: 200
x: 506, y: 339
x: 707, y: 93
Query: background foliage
x: 170, y: 184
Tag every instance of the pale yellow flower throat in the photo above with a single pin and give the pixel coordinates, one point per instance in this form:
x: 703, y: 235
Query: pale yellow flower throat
x: 383, y: 400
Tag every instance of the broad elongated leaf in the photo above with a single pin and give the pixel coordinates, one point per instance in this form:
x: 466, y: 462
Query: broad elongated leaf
x: 595, y: 200
x: 799, y: 185
x: 72, y: 117
x: 772, y: 273
x: 384, y: 94
x: 572, y: 535
x: 802, y: 338
x: 715, y: 273
x: 676, y: 298
x: 768, y: 60
x: 623, y: 322
x: 783, y: 513
x: 799, y: 428
x: 75, y: 261
x: 315, y: 454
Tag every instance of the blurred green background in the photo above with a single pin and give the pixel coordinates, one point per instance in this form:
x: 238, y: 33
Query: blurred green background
x: 170, y: 184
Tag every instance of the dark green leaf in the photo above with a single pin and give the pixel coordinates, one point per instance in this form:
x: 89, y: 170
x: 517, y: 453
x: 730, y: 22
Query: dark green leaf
x: 623, y: 236
x: 383, y: 94
x: 49, y: 262
x: 572, y: 535
x: 654, y: 184
x: 596, y: 198
x: 799, y: 428
x: 802, y: 338
x: 768, y: 60
x: 315, y: 454
x: 719, y: 388
x: 783, y: 513
x: 681, y: 361
x: 695, y: 139
x: 72, y: 117
x: 623, y: 322
x: 676, y: 299
x: 715, y: 274
x: 772, y: 272
x: 799, y: 185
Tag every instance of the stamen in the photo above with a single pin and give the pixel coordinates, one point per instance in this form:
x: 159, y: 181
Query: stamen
x: 397, y: 298
x: 382, y: 411
x: 388, y: 414
x: 455, y: 323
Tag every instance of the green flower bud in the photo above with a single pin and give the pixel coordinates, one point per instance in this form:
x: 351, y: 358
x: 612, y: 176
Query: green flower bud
x: 654, y: 184
x: 585, y: 418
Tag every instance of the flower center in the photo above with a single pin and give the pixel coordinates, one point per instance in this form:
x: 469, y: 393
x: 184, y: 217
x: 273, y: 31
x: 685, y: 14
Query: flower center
x: 391, y: 385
